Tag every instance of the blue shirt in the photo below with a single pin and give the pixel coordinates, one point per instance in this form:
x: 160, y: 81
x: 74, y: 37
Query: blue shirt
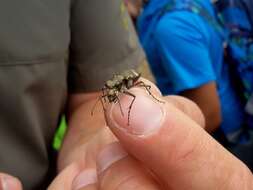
x: 185, y: 52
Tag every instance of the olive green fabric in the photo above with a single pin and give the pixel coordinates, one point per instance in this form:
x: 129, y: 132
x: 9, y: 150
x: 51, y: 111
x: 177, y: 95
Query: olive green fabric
x: 35, y: 76
x: 110, y: 43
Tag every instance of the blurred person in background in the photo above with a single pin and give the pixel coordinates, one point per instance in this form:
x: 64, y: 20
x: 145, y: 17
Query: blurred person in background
x: 236, y: 17
x: 184, y: 42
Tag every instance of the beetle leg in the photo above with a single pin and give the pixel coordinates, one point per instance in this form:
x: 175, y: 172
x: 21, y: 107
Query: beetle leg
x: 120, y: 107
x: 147, y: 87
x: 130, y: 106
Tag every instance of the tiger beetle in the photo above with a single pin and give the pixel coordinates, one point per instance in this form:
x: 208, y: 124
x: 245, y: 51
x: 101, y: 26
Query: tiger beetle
x: 120, y: 84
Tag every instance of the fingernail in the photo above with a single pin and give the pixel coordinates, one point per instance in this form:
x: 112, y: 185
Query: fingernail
x: 8, y: 183
x: 109, y: 155
x: 144, y: 117
x: 85, y: 178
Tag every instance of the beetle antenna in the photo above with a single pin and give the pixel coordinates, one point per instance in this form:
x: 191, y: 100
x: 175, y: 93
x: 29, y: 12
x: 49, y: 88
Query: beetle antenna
x: 148, y: 87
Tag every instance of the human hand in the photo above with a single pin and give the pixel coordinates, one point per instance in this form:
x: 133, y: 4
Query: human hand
x: 176, y: 154
x: 8, y: 182
x: 177, y: 150
x: 86, y: 166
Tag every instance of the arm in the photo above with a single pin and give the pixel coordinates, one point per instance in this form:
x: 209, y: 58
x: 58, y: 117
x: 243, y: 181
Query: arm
x: 186, y: 60
x: 207, y: 99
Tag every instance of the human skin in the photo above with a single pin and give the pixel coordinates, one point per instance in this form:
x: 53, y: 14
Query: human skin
x: 8, y: 182
x: 164, y: 147
x: 207, y: 98
x: 165, y: 150
x: 133, y: 7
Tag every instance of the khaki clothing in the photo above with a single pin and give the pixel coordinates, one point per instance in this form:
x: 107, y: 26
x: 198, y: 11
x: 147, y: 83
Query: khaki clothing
x: 47, y: 50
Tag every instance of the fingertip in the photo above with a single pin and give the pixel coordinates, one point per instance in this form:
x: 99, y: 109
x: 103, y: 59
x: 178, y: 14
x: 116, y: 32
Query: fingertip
x: 65, y: 178
x: 142, y: 113
x: 8, y: 182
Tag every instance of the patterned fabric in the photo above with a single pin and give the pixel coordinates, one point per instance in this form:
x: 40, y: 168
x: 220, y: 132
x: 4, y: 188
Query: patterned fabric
x: 236, y: 18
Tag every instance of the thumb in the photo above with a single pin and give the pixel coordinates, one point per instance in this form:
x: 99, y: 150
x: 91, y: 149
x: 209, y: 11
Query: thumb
x: 172, y: 145
x: 8, y: 182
